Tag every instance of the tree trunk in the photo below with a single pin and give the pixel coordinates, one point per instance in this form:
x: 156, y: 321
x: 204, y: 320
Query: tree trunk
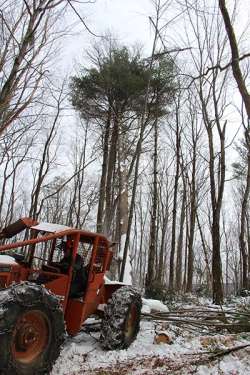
x: 176, y: 186
x: 244, y: 207
x: 204, y: 247
x: 153, y: 230
x: 178, y: 270
x: 241, y: 83
x: 102, y: 189
x: 110, y: 176
x: 238, y: 76
x: 216, y: 261
x: 192, y: 224
x: 165, y: 220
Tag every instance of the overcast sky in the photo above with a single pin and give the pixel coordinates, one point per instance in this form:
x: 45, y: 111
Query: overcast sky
x: 128, y: 21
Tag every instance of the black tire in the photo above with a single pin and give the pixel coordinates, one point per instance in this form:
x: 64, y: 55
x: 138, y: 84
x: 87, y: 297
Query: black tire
x: 121, y: 320
x: 31, y: 330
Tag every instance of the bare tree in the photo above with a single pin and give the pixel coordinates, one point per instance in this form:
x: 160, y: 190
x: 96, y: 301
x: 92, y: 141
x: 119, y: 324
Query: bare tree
x: 211, y: 91
x: 242, y: 87
x: 28, y: 36
x: 178, y: 136
x: 83, y: 191
x: 48, y: 156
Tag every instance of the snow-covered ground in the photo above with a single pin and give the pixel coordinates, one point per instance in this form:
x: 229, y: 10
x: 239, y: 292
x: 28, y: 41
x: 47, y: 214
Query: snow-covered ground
x: 188, y: 354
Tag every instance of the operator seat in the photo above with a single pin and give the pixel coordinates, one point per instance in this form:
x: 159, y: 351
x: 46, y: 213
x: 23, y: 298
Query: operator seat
x: 79, y: 282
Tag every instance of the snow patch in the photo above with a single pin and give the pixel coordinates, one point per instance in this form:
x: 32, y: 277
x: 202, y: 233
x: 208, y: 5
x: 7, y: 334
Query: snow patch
x: 50, y: 227
x: 6, y: 259
x: 153, y: 305
x: 145, y: 309
x: 107, y: 281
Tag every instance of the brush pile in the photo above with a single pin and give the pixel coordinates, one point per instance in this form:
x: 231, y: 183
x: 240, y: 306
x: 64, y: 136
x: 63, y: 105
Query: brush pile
x: 207, y: 319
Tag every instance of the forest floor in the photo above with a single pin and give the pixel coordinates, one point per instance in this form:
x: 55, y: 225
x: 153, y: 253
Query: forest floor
x: 190, y: 352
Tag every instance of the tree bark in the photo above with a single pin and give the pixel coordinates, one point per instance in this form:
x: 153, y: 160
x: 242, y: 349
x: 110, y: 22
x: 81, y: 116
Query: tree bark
x: 178, y: 271
x: 238, y: 76
x: 192, y: 223
x: 153, y: 227
x: 102, y: 189
x: 243, y: 220
x: 110, y: 176
x: 175, y: 205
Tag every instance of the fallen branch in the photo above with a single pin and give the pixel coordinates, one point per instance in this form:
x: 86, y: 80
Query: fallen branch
x: 223, y: 352
x: 216, y: 319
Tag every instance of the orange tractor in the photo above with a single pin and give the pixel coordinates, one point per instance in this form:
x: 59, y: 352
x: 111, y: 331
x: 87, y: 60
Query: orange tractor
x: 52, y: 280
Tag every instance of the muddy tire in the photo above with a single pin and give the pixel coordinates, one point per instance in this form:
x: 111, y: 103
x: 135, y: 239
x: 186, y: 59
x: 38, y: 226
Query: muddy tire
x: 31, y: 330
x: 121, y: 320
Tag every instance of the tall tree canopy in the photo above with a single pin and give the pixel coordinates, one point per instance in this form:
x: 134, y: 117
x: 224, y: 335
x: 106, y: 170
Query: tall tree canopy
x: 119, y: 81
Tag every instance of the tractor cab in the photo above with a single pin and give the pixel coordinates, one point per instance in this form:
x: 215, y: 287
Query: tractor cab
x: 71, y: 263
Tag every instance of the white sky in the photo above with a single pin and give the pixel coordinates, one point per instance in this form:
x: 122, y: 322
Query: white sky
x: 127, y: 20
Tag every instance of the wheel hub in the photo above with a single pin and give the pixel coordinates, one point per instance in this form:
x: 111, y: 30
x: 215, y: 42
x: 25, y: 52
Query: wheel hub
x: 30, y: 337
